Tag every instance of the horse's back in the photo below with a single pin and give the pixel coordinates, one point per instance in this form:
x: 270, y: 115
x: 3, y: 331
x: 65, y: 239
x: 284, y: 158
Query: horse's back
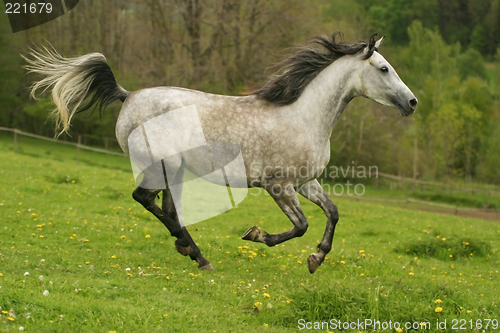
x: 146, y: 104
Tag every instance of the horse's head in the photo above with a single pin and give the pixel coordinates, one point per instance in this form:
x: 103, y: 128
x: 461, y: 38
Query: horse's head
x: 380, y: 82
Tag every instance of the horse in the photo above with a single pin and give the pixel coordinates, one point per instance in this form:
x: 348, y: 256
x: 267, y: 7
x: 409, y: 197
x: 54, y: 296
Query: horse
x: 284, y: 124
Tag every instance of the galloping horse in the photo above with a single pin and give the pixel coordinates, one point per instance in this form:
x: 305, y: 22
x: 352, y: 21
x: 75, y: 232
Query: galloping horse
x: 286, y: 123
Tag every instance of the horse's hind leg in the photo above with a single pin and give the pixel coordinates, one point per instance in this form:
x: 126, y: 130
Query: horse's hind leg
x: 185, y: 245
x: 286, y: 198
x: 146, y: 197
x: 315, y: 193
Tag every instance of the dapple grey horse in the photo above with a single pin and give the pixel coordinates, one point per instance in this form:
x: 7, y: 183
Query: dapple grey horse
x: 285, y: 124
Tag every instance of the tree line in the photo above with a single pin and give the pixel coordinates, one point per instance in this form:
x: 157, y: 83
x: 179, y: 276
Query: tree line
x: 447, y: 51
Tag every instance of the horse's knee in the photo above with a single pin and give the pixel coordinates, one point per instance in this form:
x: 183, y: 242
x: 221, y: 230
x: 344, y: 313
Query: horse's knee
x: 301, y: 229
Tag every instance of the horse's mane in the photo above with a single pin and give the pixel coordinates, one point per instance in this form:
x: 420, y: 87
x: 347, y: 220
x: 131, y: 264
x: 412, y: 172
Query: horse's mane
x: 288, y: 83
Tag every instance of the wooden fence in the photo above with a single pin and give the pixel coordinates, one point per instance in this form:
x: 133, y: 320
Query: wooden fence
x: 78, y: 144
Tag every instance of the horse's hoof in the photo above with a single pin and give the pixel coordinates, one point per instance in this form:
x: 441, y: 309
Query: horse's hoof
x: 184, y: 250
x: 207, y: 267
x: 312, y: 263
x: 251, y: 234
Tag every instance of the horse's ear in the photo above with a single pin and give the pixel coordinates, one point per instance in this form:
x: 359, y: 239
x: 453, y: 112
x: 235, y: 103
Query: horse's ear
x: 372, y: 46
x: 378, y: 43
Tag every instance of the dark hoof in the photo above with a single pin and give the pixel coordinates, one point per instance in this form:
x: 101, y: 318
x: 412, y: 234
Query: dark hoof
x: 251, y: 234
x: 312, y: 263
x: 184, y: 250
x: 207, y: 267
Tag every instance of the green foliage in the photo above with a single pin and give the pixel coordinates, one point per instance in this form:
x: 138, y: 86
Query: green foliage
x: 447, y: 128
x: 471, y: 63
x: 478, y: 39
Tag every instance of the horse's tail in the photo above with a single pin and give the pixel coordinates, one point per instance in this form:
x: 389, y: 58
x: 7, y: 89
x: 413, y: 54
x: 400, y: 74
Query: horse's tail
x: 72, y: 81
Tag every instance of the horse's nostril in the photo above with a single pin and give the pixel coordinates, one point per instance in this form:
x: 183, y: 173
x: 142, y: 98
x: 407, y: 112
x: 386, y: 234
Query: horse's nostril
x: 413, y: 103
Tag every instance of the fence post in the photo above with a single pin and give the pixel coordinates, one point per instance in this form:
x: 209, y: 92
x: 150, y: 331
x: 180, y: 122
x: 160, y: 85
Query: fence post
x: 415, y: 162
x: 15, y: 140
x: 78, y: 149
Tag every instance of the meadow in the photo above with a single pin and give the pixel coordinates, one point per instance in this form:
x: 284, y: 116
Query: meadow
x: 78, y: 254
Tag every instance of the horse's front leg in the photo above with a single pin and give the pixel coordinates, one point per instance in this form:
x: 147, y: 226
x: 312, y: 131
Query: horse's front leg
x: 315, y: 193
x: 286, y: 198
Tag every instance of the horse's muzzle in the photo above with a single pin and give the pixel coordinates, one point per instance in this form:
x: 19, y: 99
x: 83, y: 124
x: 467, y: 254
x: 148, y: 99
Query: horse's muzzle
x: 409, y: 109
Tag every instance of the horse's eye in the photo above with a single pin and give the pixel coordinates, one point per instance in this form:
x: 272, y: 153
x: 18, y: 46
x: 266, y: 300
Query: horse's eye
x: 384, y: 69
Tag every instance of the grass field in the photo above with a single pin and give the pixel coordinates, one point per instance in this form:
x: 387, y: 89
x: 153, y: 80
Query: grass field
x: 77, y: 254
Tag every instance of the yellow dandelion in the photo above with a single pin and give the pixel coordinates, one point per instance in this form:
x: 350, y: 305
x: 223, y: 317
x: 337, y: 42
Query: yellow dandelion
x: 288, y: 301
x: 10, y: 318
x: 148, y: 236
x: 123, y: 237
x: 257, y: 304
x: 266, y: 295
x: 113, y: 257
x: 411, y: 274
x: 5, y: 312
x: 266, y: 325
x: 342, y: 262
x: 469, y: 311
x: 438, y: 309
x: 399, y: 330
x: 362, y: 274
x: 361, y: 251
x: 1, y: 274
x: 438, y: 301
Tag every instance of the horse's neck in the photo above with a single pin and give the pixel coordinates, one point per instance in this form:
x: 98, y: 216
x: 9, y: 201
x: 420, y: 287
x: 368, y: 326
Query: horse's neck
x: 325, y: 98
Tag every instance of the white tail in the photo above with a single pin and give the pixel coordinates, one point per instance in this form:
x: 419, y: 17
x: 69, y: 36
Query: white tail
x: 72, y: 81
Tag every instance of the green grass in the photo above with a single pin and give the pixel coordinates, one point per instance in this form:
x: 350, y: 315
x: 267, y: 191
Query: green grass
x: 456, y: 198
x: 78, y: 227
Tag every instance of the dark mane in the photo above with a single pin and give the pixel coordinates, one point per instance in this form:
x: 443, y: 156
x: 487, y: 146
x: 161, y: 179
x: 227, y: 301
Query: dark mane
x: 288, y: 83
